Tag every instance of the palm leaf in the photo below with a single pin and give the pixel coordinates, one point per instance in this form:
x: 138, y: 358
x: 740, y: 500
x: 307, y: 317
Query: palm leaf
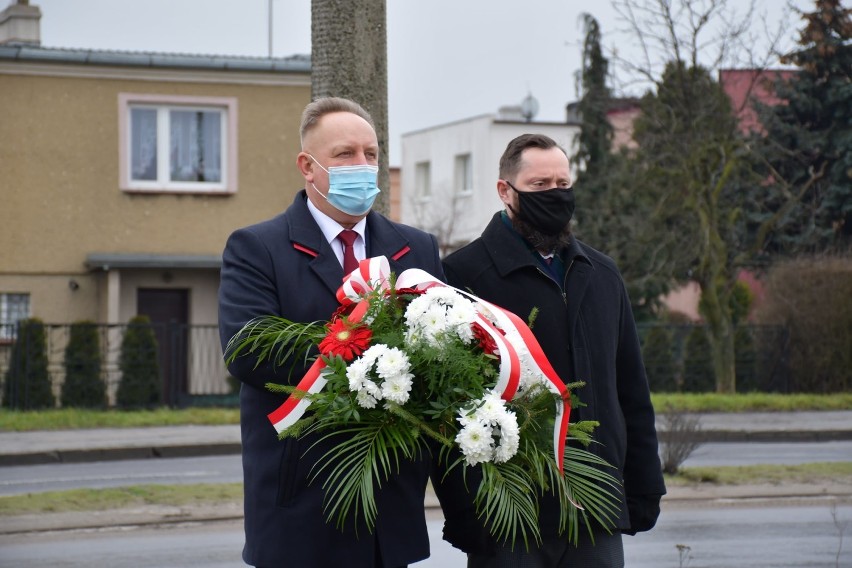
x: 370, y: 455
x: 275, y: 339
x: 506, y: 503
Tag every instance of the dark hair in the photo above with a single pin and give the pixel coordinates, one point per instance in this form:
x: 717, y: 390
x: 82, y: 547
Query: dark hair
x: 327, y: 105
x: 510, y: 161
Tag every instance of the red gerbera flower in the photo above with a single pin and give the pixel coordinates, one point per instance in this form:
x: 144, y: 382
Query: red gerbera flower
x: 345, y: 339
x: 486, y: 342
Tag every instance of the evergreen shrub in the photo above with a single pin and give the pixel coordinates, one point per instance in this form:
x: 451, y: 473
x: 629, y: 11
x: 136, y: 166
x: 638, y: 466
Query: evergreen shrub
x: 28, y: 385
x: 83, y: 386
x: 139, y: 386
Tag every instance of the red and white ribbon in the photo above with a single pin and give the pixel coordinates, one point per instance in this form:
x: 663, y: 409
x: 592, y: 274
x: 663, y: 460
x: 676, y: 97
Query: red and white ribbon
x: 374, y: 273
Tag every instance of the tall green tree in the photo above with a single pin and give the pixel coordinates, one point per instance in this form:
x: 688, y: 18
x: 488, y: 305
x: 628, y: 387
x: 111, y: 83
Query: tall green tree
x: 349, y: 57
x: 692, y: 162
x: 804, y: 147
x: 612, y: 216
x: 689, y: 162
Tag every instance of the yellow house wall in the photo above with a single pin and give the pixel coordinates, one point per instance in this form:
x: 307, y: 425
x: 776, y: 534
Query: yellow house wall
x: 59, y: 186
x: 60, y: 183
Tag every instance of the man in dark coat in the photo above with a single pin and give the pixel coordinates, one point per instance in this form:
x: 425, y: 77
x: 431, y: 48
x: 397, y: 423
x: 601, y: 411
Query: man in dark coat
x: 526, y: 258
x: 291, y: 266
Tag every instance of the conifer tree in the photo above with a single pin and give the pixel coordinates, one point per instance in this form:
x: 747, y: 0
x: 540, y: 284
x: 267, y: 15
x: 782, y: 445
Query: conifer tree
x: 805, y: 145
x: 83, y: 386
x: 140, y: 372
x: 28, y: 385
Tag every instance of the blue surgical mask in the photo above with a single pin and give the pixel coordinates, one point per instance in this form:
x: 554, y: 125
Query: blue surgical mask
x: 351, y: 189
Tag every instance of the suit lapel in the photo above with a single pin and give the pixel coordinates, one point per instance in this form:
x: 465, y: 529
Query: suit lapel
x: 306, y: 235
x: 384, y: 239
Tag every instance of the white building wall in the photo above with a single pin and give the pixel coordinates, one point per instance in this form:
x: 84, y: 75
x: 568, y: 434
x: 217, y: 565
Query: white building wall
x: 453, y: 217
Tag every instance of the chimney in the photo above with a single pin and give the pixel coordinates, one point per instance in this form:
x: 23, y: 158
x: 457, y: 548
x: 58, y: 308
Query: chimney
x: 19, y: 24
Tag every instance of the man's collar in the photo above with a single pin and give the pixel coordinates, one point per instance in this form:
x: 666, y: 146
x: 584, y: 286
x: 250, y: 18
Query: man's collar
x: 331, y: 228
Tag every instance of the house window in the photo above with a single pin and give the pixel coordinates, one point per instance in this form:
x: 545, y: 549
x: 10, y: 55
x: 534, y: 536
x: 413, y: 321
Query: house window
x: 13, y: 308
x: 463, y: 175
x: 422, y: 181
x: 177, y: 144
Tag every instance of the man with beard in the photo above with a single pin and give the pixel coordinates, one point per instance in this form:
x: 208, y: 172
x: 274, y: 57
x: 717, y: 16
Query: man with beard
x: 528, y: 259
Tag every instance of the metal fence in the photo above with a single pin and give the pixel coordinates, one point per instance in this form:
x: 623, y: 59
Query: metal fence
x: 678, y: 358
x: 192, y: 373
x: 189, y: 361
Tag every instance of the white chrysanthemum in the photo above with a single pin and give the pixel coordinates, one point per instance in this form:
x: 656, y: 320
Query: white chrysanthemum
x: 434, y: 320
x: 374, y: 352
x: 475, y: 441
x: 365, y: 400
x: 392, y: 362
x: 444, y: 295
x: 356, y: 372
x: 416, y: 308
x: 510, y: 437
x: 491, y: 408
x: 459, y: 319
x: 397, y: 389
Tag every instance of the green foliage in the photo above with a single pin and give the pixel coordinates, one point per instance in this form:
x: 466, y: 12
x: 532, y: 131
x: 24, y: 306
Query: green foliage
x: 451, y: 376
x: 594, y: 142
x: 83, y: 386
x: 612, y: 216
x: 812, y: 297
x: 28, y: 385
x: 140, y: 384
x: 698, y: 373
x: 804, y: 149
x: 658, y: 353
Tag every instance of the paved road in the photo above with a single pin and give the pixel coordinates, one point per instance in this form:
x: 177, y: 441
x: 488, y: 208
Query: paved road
x: 757, y: 536
x: 227, y: 469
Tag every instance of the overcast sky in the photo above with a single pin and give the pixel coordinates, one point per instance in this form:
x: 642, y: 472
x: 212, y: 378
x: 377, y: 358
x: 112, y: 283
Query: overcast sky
x: 447, y: 59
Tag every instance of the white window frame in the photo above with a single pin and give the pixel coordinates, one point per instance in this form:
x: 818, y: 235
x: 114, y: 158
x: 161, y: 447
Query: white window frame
x: 423, y: 181
x: 227, y: 106
x: 463, y: 170
x: 8, y: 320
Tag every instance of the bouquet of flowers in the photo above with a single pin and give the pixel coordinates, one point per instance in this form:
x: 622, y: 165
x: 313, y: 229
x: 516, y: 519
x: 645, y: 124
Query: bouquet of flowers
x: 407, y: 360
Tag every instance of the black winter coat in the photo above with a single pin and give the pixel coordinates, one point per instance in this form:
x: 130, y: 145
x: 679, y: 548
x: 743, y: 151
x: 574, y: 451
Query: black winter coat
x: 588, y: 334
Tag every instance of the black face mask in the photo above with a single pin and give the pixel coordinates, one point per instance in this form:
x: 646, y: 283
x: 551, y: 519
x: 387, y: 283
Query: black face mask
x: 549, y: 210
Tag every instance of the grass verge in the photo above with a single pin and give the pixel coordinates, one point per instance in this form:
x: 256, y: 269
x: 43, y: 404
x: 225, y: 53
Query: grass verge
x: 65, y: 419
x: 751, y: 402
x: 70, y: 418
x: 119, y: 497
x: 212, y: 494
x: 812, y: 473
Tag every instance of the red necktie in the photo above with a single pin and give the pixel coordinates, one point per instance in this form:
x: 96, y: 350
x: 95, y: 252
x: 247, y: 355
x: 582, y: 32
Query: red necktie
x: 347, y: 237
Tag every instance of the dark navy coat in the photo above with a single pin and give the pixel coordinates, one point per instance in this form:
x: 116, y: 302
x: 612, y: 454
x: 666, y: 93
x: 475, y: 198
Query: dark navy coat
x: 285, y: 267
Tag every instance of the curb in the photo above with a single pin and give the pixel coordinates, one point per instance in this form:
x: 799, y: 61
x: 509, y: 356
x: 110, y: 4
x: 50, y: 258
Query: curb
x: 117, y: 454
x: 83, y: 455
x: 231, y: 511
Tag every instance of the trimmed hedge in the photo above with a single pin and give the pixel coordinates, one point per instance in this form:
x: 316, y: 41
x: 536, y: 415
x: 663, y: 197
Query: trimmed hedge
x: 27, y: 385
x: 140, y: 385
x: 83, y: 386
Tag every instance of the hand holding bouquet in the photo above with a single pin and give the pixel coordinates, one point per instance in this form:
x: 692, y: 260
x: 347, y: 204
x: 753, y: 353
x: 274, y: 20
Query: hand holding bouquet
x: 408, y: 359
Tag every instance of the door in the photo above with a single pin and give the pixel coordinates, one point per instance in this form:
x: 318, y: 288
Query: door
x: 168, y: 309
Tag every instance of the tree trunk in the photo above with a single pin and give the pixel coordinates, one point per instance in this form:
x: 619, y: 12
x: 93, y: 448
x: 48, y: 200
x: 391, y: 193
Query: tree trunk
x: 715, y: 307
x: 349, y: 59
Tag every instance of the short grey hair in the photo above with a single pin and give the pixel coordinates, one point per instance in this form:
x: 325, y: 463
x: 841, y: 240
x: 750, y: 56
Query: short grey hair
x: 327, y: 105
